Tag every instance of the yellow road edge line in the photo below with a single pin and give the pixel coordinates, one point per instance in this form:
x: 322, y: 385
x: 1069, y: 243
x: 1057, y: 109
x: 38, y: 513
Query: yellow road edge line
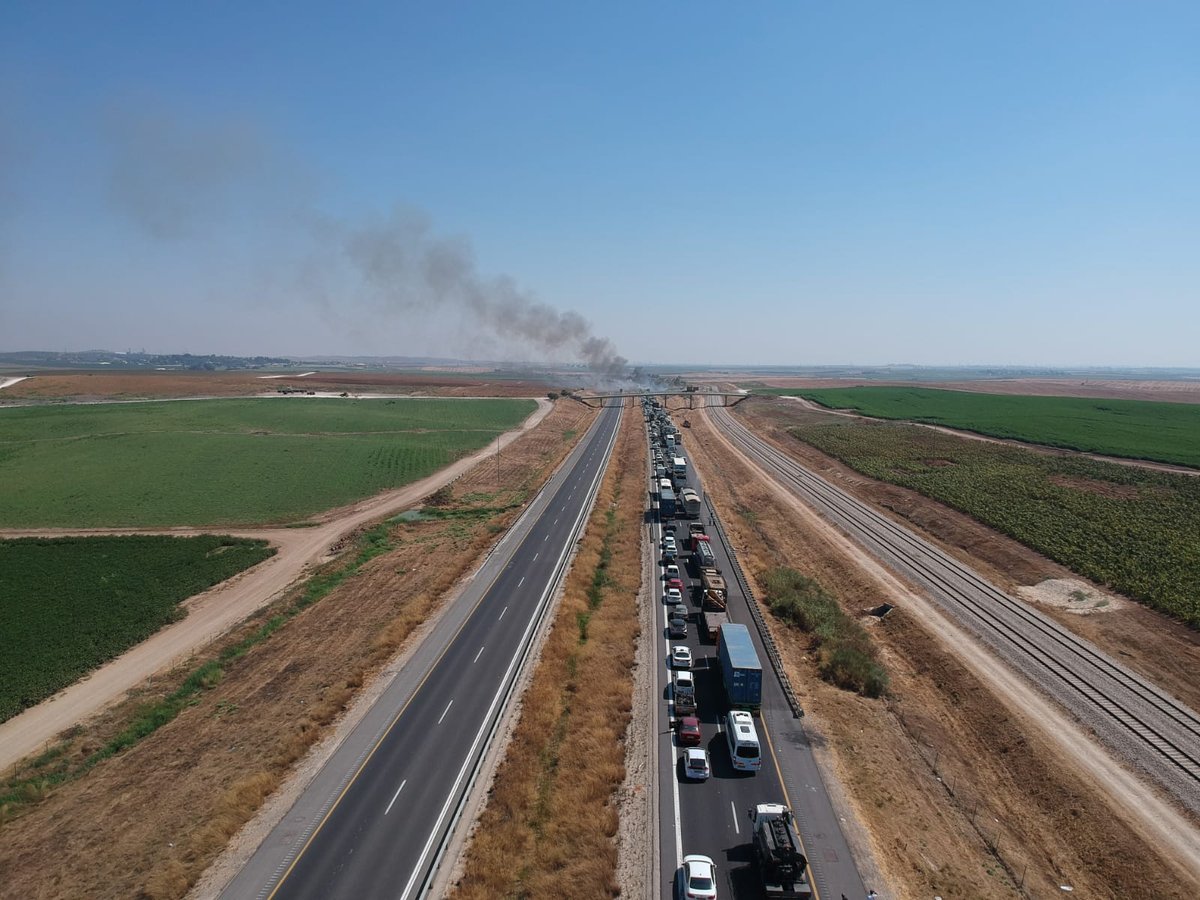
x: 812, y: 881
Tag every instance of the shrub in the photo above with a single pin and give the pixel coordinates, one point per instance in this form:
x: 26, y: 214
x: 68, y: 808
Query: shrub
x: 845, y: 655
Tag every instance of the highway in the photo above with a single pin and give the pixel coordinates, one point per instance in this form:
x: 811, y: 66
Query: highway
x: 373, y: 823
x: 710, y: 817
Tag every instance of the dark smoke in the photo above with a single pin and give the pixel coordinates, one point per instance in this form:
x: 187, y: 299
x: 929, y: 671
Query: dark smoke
x: 176, y: 182
x: 411, y: 269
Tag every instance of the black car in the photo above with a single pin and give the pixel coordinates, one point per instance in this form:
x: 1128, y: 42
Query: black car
x: 677, y: 627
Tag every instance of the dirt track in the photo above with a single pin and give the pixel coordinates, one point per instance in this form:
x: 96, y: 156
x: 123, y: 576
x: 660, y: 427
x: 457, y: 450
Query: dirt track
x: 213, y: 612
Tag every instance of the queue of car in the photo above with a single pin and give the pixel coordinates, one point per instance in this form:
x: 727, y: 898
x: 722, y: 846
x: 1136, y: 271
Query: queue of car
x: 697, y: 878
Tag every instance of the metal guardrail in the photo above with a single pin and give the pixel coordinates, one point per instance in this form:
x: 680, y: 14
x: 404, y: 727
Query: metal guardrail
x: 755, y: 612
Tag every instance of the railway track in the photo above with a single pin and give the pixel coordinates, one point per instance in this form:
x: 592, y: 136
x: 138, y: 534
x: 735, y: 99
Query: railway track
x: 1147, y: 727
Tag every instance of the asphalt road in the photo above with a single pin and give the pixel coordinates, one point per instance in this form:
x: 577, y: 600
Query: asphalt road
x: 379, y: 834
x: 711, y: 817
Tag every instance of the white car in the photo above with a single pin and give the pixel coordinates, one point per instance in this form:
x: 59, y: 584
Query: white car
x: 673, y: 597
x: 695, y: 764
x: 669, y: 544
x: 681, y: 657
x: 698, y: 878
x: 672, y: 571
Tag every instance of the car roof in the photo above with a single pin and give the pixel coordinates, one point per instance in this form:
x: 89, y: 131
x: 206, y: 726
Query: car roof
x: 696, y: 753
x: 697, y: 860
x: 690, y: 720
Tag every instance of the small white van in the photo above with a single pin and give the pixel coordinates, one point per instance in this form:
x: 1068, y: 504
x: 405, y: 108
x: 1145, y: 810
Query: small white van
x: 744, y: 750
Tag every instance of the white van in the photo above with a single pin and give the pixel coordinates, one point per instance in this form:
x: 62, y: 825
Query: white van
x: 680, y: 465
x: 744, y: 750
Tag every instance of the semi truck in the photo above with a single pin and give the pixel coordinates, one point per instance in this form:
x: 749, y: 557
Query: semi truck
x: 691, y: 503
x: 713, y: 601
x: 782, y: 866
x: 741, y: 672
x: 666, y: 503
x: 703, y: 552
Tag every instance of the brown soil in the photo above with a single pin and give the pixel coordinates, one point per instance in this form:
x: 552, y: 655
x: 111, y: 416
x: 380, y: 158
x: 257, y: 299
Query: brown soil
x: 962, y: 794
x: 1099, y: 488
x: 1159, y: 648
x: 147, y: 822
x: 550, y: 824
x: 161, y: 385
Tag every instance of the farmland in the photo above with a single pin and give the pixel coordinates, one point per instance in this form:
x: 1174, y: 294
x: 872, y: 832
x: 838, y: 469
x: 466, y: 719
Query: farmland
x: 69, y: 604
x: 1131, y: 529
x: 227, y: 461
x: 1138, y: 429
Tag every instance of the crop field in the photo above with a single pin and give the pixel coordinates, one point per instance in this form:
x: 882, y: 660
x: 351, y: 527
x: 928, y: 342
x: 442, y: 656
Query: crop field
x: 224, y: 462
x: 69, y: 604
x: 1138, y: 429
x: 1132, y: 529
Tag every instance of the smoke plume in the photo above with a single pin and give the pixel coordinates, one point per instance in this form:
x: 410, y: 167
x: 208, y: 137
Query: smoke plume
x: 411, y: 269
x: 177, y: 181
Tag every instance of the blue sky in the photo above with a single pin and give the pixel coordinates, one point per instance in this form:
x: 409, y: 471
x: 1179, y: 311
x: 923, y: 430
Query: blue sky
x: 783, y: 183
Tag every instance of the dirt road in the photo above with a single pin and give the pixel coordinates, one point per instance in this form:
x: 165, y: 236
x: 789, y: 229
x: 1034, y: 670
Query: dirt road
x: 213, y: 612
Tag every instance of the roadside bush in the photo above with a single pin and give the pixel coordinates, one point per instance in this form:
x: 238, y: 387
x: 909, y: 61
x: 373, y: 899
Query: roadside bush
x: 845, y: 655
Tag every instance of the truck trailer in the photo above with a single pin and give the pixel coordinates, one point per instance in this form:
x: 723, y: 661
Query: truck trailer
x: 741, y: 672
x: 691, y: 503
x: 713, y: 600
x: 666, y: 503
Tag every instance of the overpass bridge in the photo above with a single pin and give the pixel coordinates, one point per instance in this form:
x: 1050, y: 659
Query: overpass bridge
x: 726, y: 398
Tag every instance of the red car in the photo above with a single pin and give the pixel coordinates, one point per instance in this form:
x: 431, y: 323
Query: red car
x: 688, y: 731
x: 675, y: 583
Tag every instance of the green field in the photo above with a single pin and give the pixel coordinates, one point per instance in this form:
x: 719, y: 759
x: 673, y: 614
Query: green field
x: 223, y: 462
x: 1135, y: 530
x: 69, y: 604
x: 1138, y: 429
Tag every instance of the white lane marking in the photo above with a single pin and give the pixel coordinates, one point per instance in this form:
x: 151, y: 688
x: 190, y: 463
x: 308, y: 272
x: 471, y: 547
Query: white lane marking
x: 556, y: 520
x: 502, y: 612
x: 477, y: 655
x: 546, y: 538
x: 521, y: 582
x: 395, y: 795
x: 479, y: 735
x: 733, y: 810
x: 444, y: 711
x: 535, y: 556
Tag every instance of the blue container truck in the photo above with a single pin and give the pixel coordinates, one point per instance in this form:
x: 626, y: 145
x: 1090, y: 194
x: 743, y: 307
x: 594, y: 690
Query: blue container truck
x: 741, y: 672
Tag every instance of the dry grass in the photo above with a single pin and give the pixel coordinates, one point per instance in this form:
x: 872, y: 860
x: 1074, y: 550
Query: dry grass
x: 147, y: 822
x: 550, y: 824
x: 962, y: 797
